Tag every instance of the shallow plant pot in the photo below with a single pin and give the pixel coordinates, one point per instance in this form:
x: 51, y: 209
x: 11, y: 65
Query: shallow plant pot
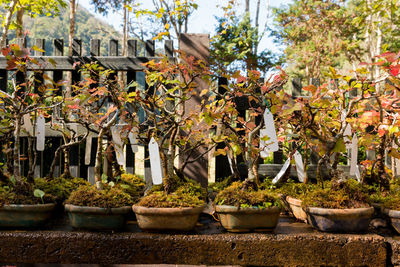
x: 94, y: 218
x: 173, y: 219
x: 234, y: 219
x: 297, y: 210
x: 394, y: 216
x: 25, y: 216
x: 340, y: 220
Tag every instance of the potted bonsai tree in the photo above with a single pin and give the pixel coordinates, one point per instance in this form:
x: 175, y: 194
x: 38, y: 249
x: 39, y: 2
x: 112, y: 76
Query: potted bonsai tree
x: 98, y: 103
x: 173, y: 131
x: 322, y: 120
x: 244, y: 206
x: 22, y: 204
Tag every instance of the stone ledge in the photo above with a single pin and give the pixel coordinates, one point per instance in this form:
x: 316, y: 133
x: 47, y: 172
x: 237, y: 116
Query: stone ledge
x: 291, y: 244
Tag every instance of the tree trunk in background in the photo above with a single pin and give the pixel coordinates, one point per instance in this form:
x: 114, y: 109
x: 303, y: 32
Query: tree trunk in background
x: 20, y: 23
x: 247, y: 8
x: 7, y: 22
x: 72, y: 15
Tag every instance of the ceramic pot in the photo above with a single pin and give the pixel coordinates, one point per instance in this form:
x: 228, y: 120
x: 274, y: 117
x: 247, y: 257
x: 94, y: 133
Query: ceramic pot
x: 394, y: 216
x: 340, y: 220
x: 159, y: 219
x: 94, y: 218
x: 25, y: 216
x: 234, y: 219
x: 297, y: 210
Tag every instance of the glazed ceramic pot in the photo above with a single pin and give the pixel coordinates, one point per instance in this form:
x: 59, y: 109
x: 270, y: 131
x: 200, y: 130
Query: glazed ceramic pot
x: 394, y: 216
x: 173, y: 219
x: 94, y: 218
x: 25, y: 216
x: 234, y: 219
x: 340, y: 220
x: 296, y: 208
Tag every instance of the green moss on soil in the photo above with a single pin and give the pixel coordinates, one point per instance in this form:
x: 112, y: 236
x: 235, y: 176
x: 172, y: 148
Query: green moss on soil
x: 338, y: 195
x: 243, y: 196
x: 109, y: 197
x: 133, y: 185
x: 295, y: 189
x: 188, y: 194
x: 59, y: 187
x: 22, y: 193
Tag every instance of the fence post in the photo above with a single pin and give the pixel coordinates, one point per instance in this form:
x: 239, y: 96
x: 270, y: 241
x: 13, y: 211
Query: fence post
x: 197, y: 45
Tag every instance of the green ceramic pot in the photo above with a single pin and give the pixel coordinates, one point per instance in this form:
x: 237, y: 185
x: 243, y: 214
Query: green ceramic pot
x: 94, y: 218
x: 25, y: 216
x: 164, y: 219
x: 234, y: 219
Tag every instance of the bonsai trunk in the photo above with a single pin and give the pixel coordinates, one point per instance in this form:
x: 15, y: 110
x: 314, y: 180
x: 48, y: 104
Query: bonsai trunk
x: 32, y: 158
x: 170, y: 181
x: 17, y: 132
x: 54, y: 162
x: 97, y: 166
x: 67, y: 171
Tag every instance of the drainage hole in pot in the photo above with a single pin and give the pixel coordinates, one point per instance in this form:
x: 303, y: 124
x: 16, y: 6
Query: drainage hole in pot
x: 233, y: 245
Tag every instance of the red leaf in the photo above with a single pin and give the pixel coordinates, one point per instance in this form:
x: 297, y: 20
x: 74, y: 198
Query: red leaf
x: 5, y: 51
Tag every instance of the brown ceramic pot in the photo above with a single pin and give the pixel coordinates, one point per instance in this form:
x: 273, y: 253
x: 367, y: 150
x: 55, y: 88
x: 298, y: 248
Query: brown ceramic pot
x: 234, y: 219
x: 297, y: 210
x: 159, y: 219
x: 394, y: 216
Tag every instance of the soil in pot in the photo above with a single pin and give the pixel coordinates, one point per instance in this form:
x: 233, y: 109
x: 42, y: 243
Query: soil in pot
x: 339, y: 207
x: 93, y: 209
x: 178, y: 211
x: 243, y: 208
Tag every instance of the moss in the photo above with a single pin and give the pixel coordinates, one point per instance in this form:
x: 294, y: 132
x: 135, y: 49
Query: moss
x: 240, y: 195
x: 59, y: 187
x: 188, y: 194
x: 109, y: 197
x: 338, y: 195
x: 295, y: 190
x: 133, y: 185
x: 219, y: 186
x: 389, y: 199
x: 22, y: 193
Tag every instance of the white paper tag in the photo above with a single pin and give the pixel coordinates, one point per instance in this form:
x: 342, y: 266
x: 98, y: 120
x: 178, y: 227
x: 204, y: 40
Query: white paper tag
x: 133, y: 141
x: 118, y: 145
x: 354, y: 155
x: 358, y: 174
x: 40, y: 133
x: 230, y: 163
x: 299, y: 166
x: 396, y: 162
x: 271, y: 144
x: 346, y: 136
x: 88, y: 148
x: 155, y: 162
x: 28, y: 124
x: 282, y: 171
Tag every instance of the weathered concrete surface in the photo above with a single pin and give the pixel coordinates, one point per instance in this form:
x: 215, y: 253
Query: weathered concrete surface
x: 394, y: 250
x: 291, y: 244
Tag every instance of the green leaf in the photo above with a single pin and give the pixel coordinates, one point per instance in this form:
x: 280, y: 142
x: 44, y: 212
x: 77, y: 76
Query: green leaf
x: 104, y: 178
x: 340, y: 146
x: 38, y: 193
x: 125, y: 186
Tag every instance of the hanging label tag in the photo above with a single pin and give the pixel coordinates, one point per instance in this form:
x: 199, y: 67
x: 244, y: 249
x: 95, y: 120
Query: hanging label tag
x: 396, y: 162
x: 88, y: 148
x: 155, y: 162
x: 282, y: 171
x: 40, y: 133
x: 230, y: 163
x: 299, y: 166
x: 271, y: 143
x: 118, y: 145
x: 346, y: 136
x: 358, y: 174
x: 28, y: 124
x: 133, y: 141
x: 354, y: 155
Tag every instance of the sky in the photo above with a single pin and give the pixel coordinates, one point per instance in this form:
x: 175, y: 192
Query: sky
x: 203, y: 20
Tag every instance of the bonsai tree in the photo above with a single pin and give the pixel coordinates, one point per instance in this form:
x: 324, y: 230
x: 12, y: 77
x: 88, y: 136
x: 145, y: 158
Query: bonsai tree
x: 242, y: 135
x: 178, y: 129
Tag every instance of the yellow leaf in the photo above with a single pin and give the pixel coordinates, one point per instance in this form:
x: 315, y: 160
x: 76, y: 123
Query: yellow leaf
x: 203, y: 92
x: 167, y: 26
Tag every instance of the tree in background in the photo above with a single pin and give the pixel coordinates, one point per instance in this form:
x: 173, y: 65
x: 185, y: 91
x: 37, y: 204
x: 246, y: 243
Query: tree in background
x: 236, y: 44
x: 31, y: 7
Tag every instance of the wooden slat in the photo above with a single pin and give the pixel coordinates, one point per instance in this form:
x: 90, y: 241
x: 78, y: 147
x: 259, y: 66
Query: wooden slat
x: 58, y: 50
x: 150, y: 48
x: 113, y: 48
x: 95, y: 47
x: 296, y: 87
x: 66, y: 63
x: 76, y: 47
x: 169, y: 48
x: 132, y: 48
x: 40, y: 43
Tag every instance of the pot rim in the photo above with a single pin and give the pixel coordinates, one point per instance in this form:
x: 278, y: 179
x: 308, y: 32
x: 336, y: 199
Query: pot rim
x: 391, y: 213
x: 96, y: 210
x: 339, y: 212
x: 253, y: 209
x: 141, y: 210
x: 29, y: 207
